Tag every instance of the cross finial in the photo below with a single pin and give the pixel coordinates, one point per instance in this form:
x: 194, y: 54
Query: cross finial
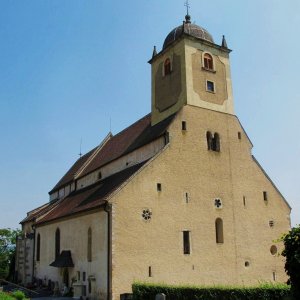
x: 187, y: 17
x: 187, y: 5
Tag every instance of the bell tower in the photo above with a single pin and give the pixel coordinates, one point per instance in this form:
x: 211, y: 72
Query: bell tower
x: 190, y: 70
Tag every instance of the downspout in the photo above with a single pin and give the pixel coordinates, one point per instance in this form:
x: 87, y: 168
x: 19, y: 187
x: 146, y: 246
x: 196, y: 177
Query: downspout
x: 108, y: 209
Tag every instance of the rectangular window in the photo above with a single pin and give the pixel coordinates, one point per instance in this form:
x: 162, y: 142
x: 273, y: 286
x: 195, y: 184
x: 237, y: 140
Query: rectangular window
x: 186, y: 242
x: 183, y: 125
x: 210, y: 86
x: 265, y: 196
x: 83, y: 276
x: 239, y: 135
x: 159, y: 187
x: 150, y: 271
x: 244, y: 201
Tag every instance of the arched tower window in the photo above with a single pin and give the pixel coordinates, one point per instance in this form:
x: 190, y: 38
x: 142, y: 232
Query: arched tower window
x: 216, y: 143
x: 219, y: 231
x: 89, y: 245
x: 38, y: 247
x: 167, y: 67
x: 209, y: 140
x: 57, y: 243
x: 208, y: 61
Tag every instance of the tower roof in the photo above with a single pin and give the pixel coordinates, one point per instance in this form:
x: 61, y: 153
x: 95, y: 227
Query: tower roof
x: 190, y: 29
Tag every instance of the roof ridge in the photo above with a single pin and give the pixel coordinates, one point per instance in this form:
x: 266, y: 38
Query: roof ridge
x: 104, y: 141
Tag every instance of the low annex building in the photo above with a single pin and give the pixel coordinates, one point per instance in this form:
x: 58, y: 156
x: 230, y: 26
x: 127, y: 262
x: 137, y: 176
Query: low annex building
x: 177, y: 197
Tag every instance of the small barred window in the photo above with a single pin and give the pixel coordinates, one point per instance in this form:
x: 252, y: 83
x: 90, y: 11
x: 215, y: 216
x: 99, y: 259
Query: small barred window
x: 147, y: 214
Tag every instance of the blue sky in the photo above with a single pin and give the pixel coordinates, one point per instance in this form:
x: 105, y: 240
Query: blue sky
x: 68, y: 67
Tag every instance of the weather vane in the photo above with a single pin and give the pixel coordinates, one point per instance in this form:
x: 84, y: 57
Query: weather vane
x: 187, y: 5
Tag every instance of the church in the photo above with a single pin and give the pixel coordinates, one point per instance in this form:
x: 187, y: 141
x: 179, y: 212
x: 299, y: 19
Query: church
x: 176, y: 198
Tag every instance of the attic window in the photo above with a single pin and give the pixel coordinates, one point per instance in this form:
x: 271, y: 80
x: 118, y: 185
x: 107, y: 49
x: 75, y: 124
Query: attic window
x: 239, y: 135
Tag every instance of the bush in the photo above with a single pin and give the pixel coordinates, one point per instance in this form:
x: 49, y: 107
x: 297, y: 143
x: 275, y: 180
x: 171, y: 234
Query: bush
x: 144, y: 291
x: 292, y: 254
x: 18, y: 295
x: 4, y: 296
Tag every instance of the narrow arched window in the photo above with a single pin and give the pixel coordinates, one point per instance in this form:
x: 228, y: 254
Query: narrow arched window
x: 38, y: 247
x: 216, y: 143
x: 219, y: 231
x: 208, y: 61
x: 167, y: 67
x: 89, y: 245
x: 57, y: 243
x: 209, y: 140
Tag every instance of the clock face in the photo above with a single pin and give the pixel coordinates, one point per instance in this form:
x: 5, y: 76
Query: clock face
x: 168, y: 86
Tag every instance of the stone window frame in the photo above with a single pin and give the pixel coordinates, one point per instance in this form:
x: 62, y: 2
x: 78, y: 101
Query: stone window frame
x: 214, y: 86
x: 203, y: 62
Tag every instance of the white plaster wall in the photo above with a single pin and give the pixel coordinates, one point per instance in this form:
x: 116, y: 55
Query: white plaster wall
x: 73, y: 237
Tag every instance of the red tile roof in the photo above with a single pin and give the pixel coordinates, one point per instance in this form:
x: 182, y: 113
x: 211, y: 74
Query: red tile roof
x: 133, y: 137
x: 91, y: 197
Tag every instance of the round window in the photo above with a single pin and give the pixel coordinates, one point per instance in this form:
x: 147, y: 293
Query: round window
x: 273, y: 250
x: 146, y: 214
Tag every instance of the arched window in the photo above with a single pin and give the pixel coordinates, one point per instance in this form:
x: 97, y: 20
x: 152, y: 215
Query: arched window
x: 57, y: 243
x: 216, y: 143
x: 167, y: 67
x: 219, y: 231
x: 209, y: 140
x: 89, y: 245
x: 208, y: 61
x: 38, y: 247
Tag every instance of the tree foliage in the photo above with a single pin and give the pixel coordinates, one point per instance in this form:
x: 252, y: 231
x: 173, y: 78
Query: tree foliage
x: 7, y: 249
x: 292, y: 254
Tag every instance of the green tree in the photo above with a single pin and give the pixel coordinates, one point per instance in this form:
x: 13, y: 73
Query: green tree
x: 291, y: 253
x: 7, y: 250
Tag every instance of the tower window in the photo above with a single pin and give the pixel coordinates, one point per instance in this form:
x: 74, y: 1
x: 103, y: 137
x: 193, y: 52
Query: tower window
x: 244, y: 201
x: 167, y: 67
x: 186, y: 242
x: 219, y: 231
x: 38, y: 247
x: 210, y: 86
x: 213, y: 141
x: 183, y: 125
x: 271, y: 223
x: 187, y: 198
x: 208, y: 61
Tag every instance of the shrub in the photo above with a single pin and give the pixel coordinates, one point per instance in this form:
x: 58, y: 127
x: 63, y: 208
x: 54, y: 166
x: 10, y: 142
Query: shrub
x: 292, y: 254
x: 4, y: 296
x: 146, y: 291
x: 18, y: 295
